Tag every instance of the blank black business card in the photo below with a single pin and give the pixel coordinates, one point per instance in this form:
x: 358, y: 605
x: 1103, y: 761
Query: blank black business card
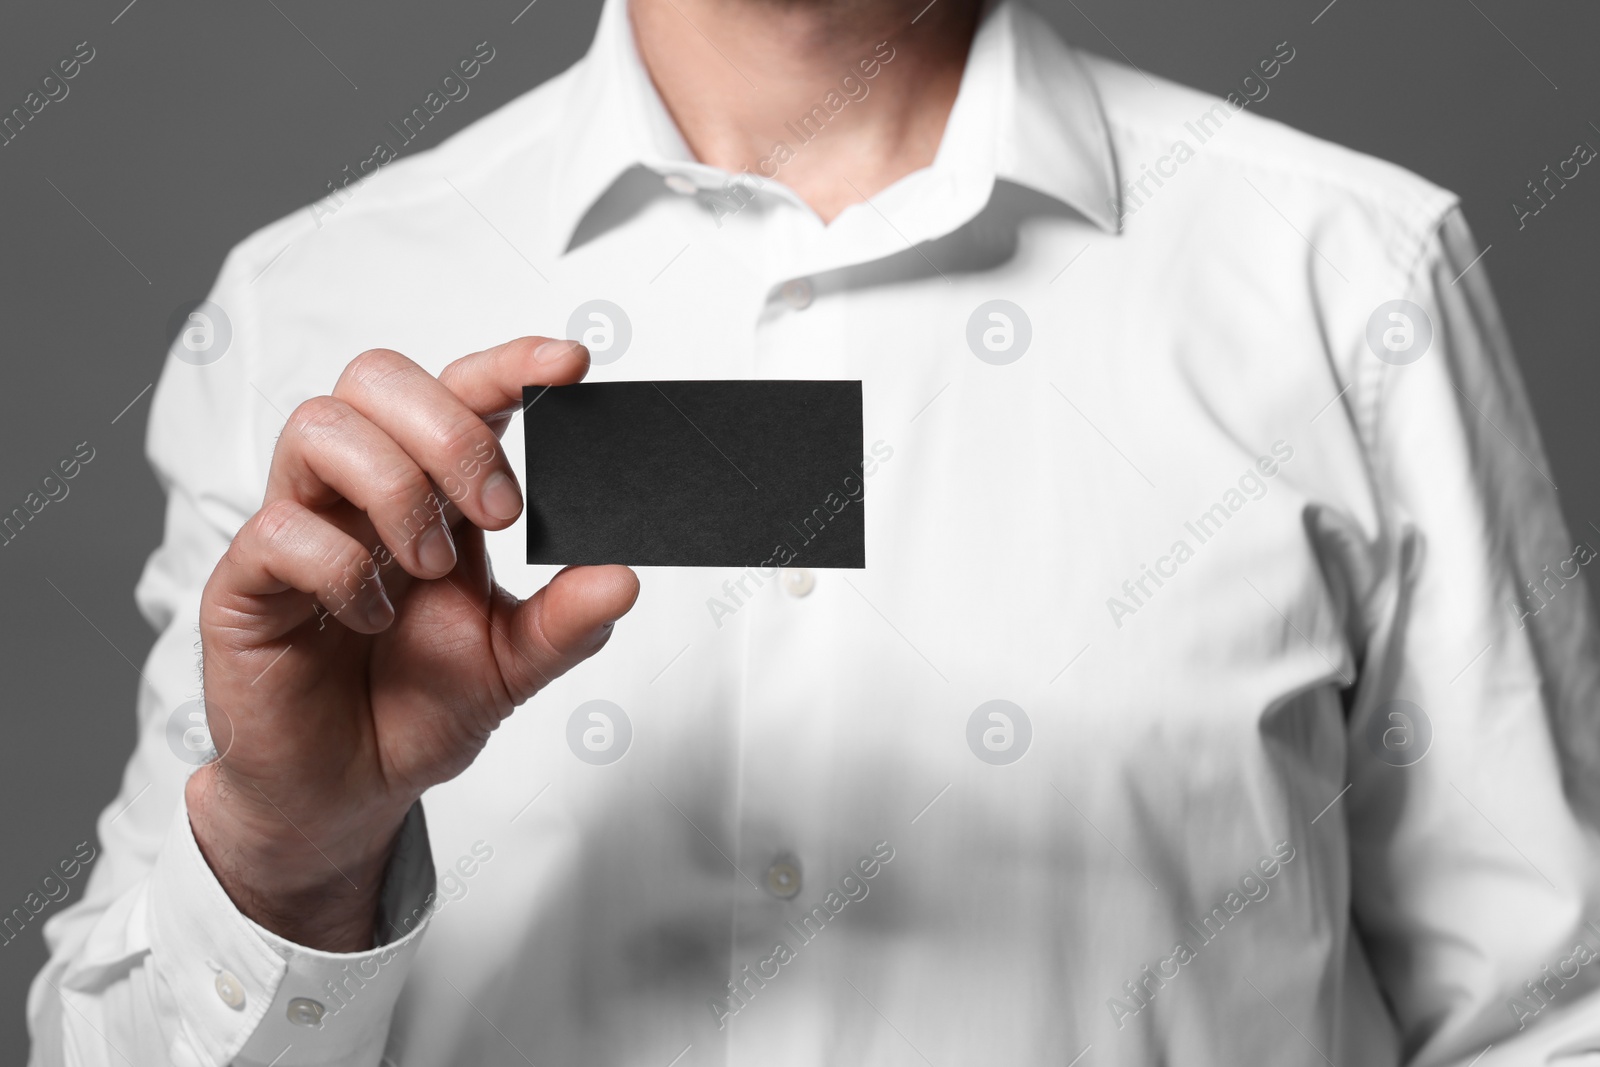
x: 696, y: 474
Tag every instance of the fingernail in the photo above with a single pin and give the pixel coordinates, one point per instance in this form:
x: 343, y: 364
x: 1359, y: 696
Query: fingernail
x: 436, y: 551
x: 500, y: 497
x: 551, y: 351
x: 377, y: 611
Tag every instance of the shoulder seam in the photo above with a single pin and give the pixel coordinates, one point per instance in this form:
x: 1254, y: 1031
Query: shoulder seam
x: 1369, y: 387
x: 1418, y: 203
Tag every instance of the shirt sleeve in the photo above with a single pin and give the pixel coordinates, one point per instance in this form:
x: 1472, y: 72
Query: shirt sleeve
x: 1473, y: 744
x: 153, y: 963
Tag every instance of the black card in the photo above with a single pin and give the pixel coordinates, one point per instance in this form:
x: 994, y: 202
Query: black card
x: 696, y: 474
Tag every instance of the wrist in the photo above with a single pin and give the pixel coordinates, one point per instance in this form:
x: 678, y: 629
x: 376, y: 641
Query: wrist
x: 314, y: 888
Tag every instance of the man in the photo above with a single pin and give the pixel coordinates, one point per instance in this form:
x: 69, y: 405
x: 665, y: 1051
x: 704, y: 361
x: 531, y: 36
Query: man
x: 1219, y: 690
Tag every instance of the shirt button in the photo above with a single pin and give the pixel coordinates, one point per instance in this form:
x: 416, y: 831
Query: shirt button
x: 783, y: 879
x: 303, y: 1011
x: 796, y: 292
x: 679, y: 183
x: 797, y: 581
x: 229, y: 989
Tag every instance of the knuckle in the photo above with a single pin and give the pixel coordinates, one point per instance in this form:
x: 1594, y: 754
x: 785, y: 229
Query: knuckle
x: 406, y: 526
x: 456, y: 367
x: 215, y: 611
x: 402, y: 484
x: 319, y: 417
x: 476, y: 362
x: 543, y: 646
x: 370, y: 370
x: 463, y: 437
x: 276, y: 523
x: 345, y: 562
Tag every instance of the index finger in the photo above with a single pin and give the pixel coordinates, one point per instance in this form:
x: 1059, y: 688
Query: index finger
x: 490, y: 382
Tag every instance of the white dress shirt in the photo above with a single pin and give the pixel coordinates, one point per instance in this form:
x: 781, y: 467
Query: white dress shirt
x: 1207, y: 698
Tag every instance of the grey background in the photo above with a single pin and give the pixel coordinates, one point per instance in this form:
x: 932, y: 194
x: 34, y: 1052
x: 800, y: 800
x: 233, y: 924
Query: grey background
x: 196, y: 123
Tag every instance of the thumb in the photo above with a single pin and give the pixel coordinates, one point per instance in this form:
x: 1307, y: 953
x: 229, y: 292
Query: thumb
x: 562, y: 625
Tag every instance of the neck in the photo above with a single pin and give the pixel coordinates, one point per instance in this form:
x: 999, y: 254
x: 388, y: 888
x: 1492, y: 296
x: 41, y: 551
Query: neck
x: 837, y: 99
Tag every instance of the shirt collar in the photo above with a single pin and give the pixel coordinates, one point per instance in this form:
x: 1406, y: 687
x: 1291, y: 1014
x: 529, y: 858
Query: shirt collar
x: 1050, y: 128
x: 1027, y: 112
x: 613, y: 120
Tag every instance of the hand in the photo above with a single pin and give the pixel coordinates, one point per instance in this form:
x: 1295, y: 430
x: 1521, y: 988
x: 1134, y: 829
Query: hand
x: 356, y: 648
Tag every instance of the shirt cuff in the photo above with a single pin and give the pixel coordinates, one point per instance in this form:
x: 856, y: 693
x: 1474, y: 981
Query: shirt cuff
x: 246, y: 996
